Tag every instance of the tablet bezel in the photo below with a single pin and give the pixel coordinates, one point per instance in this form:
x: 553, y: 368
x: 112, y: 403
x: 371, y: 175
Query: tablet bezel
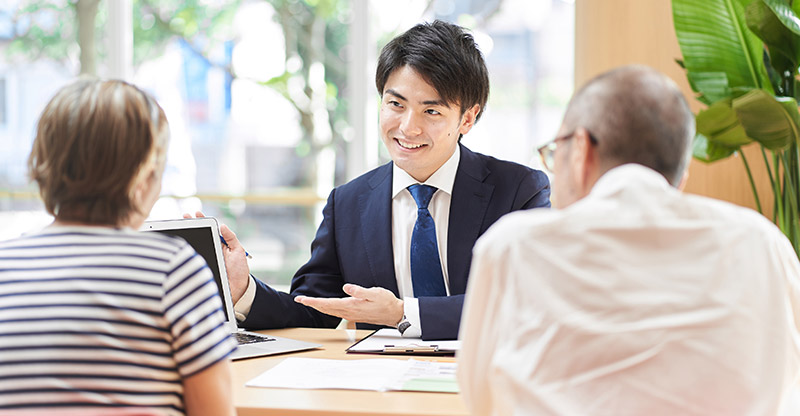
x: 213, y: 224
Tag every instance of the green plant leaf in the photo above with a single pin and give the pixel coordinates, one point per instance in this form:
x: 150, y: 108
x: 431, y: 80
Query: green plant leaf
x: 775, y: 78
x: 773, y: 122
x: 720, y: 124
x: 796, y: 88
x: 714, y: 38
x: 708, y: 151
x: 775, y: 25
x: 786, y: 13
x: 712, y: 86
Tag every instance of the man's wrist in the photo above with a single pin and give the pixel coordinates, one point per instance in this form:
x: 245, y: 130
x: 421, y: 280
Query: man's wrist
x: 400, y: 312
x: 241, y: 292
x: 242, y: 306
x: 412, y: 327
x: 403, y: 325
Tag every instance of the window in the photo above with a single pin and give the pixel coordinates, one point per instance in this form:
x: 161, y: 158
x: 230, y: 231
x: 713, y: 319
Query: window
x: 271, y: 104
x: 3, y: 111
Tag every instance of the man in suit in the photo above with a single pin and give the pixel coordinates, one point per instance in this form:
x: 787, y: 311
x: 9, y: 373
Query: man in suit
x: 395, y: 244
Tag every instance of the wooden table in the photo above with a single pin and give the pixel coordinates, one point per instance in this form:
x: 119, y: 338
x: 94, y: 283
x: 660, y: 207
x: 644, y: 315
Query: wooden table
x: 252, y: 401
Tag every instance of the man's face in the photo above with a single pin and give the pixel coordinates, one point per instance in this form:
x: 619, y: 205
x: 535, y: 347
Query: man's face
x: 418, y: 128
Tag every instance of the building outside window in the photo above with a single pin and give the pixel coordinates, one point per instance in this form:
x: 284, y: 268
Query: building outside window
x: 271, y: 103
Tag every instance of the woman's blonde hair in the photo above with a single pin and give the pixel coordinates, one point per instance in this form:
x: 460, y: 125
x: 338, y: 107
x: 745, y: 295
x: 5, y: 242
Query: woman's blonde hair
x: 94, y: 142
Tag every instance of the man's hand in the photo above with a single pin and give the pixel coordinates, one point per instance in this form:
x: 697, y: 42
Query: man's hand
x: 235, y: 260
x: 374, y: 305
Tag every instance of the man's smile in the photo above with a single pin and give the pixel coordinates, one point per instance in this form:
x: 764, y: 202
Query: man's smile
x: 408, y: 145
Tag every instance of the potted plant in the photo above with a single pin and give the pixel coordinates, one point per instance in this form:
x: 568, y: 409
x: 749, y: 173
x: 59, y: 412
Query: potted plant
x: 741, y: 58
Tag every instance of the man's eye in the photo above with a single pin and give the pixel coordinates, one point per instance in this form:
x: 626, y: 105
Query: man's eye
x: 394, y: 103
x: 433, y: 112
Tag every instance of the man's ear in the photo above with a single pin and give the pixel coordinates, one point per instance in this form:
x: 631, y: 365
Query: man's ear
x: 583, y: 161
x: 468, y: 119
x: 684, y: 180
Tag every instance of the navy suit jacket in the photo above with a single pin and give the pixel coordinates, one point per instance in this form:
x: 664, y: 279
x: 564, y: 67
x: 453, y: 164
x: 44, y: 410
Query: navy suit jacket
x: 354, y: 243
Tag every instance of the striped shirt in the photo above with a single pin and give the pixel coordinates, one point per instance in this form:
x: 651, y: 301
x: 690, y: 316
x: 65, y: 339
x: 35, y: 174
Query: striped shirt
x: 96, y: 318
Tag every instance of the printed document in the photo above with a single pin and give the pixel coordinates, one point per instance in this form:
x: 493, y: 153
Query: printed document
x: 379, y: 374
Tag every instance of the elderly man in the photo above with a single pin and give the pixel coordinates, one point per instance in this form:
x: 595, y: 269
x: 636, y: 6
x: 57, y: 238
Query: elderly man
x: 630, y: 298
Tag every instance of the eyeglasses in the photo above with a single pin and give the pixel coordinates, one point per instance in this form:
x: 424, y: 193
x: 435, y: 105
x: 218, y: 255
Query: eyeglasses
x: 547, y: 151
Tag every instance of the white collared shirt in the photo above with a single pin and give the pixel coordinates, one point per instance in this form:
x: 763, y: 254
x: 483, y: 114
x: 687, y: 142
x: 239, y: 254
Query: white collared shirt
x: 636, y: 300
x: 404, y: 216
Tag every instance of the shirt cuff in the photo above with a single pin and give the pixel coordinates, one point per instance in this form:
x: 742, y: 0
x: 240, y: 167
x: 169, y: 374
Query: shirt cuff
x: 411, y: 310
x: 242, y: 307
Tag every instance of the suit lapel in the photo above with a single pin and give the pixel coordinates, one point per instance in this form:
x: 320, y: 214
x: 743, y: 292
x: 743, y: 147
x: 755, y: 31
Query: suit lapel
x: 376, y: 228
x: 468, y: 206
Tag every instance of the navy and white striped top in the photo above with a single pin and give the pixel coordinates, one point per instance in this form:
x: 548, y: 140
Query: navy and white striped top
x: 98, y: 318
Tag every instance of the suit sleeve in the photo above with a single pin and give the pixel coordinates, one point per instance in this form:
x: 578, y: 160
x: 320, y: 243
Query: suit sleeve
x: 320, y: 277
x: 440, y: 316
x: 534, y: 191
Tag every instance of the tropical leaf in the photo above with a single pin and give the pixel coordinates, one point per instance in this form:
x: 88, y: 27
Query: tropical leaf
x: 707, y: 151
x: 796, y: 88
x: 720, y: 124
x: 786, y: 13
x: 712, y: 86
x: 775, y: 77
x: 775, y: 25
x: 774, y: 122
x: 714, y: 38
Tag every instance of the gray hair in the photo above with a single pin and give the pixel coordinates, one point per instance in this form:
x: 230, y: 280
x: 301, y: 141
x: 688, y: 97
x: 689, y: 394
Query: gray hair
x: 637, y: 115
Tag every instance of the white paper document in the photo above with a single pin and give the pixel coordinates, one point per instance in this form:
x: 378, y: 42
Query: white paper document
x: 389, y: 340
x: 380, y: 374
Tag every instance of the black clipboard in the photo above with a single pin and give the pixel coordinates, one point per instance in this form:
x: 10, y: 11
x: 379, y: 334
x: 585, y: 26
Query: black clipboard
x: 386, y: 342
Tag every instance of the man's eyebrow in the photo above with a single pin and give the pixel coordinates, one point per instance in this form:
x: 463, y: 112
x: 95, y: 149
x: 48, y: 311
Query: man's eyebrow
x: 439, y: 102
x: 396, y: 94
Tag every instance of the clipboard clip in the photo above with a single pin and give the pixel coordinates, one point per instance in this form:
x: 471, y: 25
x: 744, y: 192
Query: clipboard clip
x: 410, y: 349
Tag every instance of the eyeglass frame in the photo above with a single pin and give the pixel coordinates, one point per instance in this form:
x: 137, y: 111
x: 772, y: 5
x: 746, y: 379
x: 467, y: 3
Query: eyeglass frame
x: 547, y: 150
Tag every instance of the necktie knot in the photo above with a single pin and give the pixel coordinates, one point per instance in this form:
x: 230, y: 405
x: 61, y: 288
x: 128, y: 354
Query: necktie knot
x: 422, y: 194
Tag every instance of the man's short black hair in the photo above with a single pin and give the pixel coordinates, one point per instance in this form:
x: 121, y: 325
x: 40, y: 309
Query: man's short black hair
x: 445, y: 56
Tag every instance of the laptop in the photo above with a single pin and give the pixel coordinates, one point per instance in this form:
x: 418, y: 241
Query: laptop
x: 203, y: 235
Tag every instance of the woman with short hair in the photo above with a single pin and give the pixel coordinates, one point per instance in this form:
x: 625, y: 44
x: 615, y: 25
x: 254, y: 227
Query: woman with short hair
x: 96, y: 317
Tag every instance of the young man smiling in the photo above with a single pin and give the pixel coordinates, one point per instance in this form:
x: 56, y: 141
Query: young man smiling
x: 380, y: 257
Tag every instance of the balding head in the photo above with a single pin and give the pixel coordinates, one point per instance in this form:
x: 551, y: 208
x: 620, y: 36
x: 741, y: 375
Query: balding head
x: 637, y: 115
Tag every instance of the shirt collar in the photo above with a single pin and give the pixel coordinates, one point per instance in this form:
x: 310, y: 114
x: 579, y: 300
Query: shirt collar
x: 443, y: 178
x: 624, y: 176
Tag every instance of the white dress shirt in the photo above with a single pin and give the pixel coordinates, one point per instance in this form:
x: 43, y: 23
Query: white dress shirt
x: 404, y: 216
x: 636, y: 300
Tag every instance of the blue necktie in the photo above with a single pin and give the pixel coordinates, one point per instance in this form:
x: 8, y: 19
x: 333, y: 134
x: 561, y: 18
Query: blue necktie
x: 426, y: 269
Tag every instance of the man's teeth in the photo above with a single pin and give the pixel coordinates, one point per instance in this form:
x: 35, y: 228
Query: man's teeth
x: 408, y: 145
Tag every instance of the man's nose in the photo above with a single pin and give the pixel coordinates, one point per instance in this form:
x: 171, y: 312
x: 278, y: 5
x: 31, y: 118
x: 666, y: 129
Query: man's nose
x: 410, y: 124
